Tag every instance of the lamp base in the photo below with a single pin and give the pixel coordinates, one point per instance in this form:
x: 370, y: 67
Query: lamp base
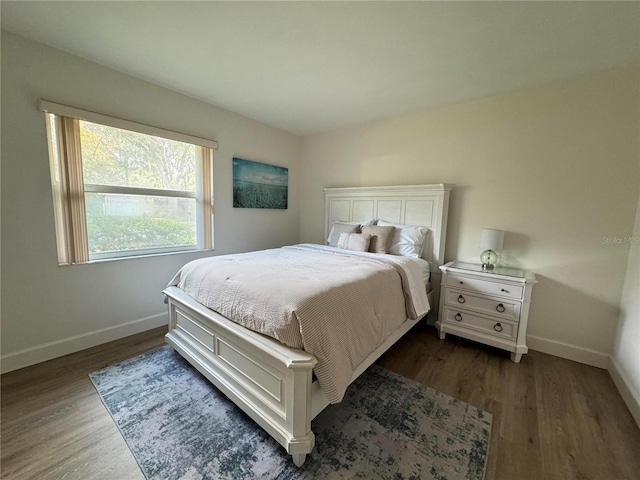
x: 488, y: 259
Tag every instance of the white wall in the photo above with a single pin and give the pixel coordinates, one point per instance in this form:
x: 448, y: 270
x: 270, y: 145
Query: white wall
x: 49, y: 310
x: 554, y: 166
x: 625, y: 360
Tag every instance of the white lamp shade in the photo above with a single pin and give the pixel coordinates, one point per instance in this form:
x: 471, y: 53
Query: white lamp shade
x: 491, y: 239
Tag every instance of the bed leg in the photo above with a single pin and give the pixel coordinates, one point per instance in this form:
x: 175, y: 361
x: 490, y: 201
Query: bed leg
x: 298, y: 458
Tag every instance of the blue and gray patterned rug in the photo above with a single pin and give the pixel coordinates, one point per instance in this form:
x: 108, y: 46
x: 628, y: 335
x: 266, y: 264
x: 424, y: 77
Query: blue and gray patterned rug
x: 179, y: 426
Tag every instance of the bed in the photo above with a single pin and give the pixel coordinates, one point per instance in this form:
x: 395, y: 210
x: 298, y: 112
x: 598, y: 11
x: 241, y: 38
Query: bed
x: 275, y: 383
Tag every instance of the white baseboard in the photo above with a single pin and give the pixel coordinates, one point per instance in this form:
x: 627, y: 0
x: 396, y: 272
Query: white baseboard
x: 568, y: 351
x: 628, y: 393
x: 596, y: 359
x: 42, y: 353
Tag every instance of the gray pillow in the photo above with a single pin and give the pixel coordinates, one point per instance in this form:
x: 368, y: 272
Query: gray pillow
x: 341, y: 227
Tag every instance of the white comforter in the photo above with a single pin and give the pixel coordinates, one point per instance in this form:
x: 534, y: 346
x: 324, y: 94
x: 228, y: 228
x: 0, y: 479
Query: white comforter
x: 335, y: 304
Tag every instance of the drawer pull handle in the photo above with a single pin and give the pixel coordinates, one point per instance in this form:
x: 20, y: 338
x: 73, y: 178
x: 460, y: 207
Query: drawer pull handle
x: 497, y: 327
x: 500, y: 308
x: 461, y: 282
x: 461, y: 299
x: 458, y: 317
x: 503, y: 290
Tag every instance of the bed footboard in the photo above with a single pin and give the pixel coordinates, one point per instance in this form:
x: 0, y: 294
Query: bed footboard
x: 269, y: 382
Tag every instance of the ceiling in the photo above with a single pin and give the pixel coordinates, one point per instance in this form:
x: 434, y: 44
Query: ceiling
x: 309, y: 67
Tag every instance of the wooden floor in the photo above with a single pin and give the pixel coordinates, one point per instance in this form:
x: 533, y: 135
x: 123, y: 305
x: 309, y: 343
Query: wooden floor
x: 552, y: 418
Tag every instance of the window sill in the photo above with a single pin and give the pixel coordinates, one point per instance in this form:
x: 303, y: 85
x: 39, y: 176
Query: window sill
x: 136, y: 257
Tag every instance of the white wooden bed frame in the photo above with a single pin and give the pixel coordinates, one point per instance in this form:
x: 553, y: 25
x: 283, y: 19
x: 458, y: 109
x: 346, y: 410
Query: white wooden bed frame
x: 269, y: 381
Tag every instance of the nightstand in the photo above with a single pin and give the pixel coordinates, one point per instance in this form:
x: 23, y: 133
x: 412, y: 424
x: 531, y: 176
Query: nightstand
x: 488, y: 306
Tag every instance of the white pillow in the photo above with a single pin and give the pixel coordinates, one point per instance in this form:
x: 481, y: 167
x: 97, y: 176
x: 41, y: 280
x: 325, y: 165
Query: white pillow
x: 354, y: 241
x: 407, y: 240
x: 366, y: 223
x: 341, y: 227
x: 338, y: 227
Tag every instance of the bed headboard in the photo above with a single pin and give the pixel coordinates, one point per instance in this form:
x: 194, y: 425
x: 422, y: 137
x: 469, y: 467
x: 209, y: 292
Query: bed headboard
x: 425, y: 205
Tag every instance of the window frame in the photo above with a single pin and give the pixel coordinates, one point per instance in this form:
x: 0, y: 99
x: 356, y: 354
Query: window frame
x: 69, y: 189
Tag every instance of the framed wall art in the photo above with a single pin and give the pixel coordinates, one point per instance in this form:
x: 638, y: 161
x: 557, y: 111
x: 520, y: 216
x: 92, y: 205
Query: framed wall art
x: 259, y: 185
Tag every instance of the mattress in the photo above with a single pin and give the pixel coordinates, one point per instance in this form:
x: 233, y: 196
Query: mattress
x: 335, y: 304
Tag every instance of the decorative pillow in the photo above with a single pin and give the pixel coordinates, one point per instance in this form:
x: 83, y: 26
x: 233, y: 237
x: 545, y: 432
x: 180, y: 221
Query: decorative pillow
x: 333, y: 239
x: 341, y: 227
x: 407, y: 240
x: 380, y: 237
x: 354, y: 241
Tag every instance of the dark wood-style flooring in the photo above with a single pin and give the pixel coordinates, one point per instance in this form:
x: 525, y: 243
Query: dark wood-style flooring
x: 552, y: 418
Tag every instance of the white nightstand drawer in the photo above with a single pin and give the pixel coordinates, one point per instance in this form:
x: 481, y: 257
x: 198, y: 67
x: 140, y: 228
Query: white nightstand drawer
x: 487, y: 305
x: 485, y: 286
x: 495, y: 327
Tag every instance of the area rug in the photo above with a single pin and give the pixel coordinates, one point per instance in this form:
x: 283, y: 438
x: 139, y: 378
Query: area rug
x: 179, y: 426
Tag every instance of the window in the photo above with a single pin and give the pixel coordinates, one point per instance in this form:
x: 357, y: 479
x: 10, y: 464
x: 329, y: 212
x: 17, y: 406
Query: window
x: 124, y: 189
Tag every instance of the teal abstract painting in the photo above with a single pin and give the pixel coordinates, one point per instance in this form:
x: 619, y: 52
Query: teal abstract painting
x: 259, y: 185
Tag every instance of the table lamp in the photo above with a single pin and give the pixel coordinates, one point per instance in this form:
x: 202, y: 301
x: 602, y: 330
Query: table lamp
x: 490, y: 241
